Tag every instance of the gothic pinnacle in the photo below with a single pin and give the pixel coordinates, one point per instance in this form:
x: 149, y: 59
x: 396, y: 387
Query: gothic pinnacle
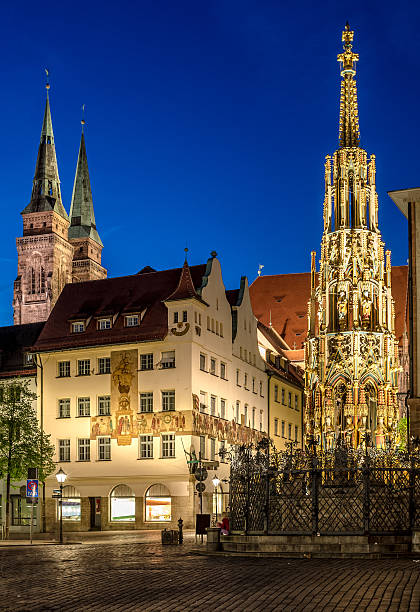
x: 349, y: 134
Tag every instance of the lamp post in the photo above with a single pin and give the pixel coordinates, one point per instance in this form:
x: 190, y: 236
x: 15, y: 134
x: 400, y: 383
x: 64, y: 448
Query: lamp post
x: 216, y: 483
x: 61, y: 477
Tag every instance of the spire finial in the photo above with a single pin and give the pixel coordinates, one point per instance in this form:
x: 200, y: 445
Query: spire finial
x: 82, y: 121
x: 349, y: 134
x: 186, y: 251
x: 47, y: 80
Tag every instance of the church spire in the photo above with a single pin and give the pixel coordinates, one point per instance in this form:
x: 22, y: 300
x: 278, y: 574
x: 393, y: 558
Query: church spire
x: 46, y: 194
x: 82, y: 216
x: 349, y: 134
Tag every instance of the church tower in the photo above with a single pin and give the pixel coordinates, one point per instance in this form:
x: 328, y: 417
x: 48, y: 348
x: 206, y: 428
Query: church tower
x: 44, y: 252
x: 351, y: 354
x: 83, y: 234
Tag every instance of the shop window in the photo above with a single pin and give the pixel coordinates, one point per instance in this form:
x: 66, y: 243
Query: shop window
x: 123, y: 504
x: 21, y: 511
x: 158, y: 504
x: 72, y: 507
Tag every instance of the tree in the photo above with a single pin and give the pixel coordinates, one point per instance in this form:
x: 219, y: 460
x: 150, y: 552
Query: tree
x: 22, y: 443
x: 402, y: 433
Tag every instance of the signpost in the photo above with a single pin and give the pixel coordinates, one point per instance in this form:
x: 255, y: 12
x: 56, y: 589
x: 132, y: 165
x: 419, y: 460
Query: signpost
x: 32, y: 494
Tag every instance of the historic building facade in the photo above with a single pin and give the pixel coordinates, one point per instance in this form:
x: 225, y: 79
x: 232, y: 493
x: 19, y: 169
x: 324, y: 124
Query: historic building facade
x: 54, y: 249
x: 351, y: 354
x: 142, y: 374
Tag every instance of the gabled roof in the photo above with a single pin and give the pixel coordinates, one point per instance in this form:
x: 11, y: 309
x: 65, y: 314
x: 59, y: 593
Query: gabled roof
x: 15, y: 340
x: 286, y: 297
x: 142, y: 293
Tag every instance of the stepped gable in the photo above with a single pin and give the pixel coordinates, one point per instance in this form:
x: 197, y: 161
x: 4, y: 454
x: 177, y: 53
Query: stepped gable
x: 88, y: 301
x: 287, y: 295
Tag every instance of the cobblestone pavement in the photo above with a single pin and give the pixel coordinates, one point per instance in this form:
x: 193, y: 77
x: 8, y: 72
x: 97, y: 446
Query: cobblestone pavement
x: 148, y: 577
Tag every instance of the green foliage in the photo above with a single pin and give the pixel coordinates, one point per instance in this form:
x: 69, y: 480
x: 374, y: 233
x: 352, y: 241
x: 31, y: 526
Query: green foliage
x: 22, y: 443
x: 402, y: 433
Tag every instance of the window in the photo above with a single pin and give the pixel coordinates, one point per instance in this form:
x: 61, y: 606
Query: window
x: 63, y: 369
x: 146, y: 361
x: 63, y: 450
x: 122, y: 504
x: 276, y: 427
x: 237, y: 378
x: 168, y: 400
x: 21, y: 511
x: 104, y: 324
x: 212, y: 366
x: 64, y: 408
x: 212, y: 449
x: 261, y: 389
x: 276, y: 393
x: 176, y: 318
x: 184, y: 316
x: 202, y: 447
x: 104, y: 365
x: 246, y: 381
x: 283, y: 400
x: 261, y: 420
x: 104, y: 405
x: 132, y: 320
x: 203, y: 362
x: 71, y: 504
x: 168, y: 359
x: 237, y: 411
x: 290, y: 400
x: 168, y: 445
x: 223, y: 408
x: 223, y: 371
x: 253, y: 418
x: 290, y: 431
x: 221, y: 330
x: 282, y: 428
x: 246, y: 415
x: 213, y: 405
x: 217, y: 327
x: 158, y: 504
x: 146, y: 402
x: 146, y: 447
x: 296, y: 403
x: 208, y: 323
x: 83, y: 406
x: 203, y: 401
x: 83, y: 449
x: 83, y: 367
x: 245, y: 354
x: 253, y: 385
x: 296, y: 433
x: 77, y: 327
x: 104, y: 449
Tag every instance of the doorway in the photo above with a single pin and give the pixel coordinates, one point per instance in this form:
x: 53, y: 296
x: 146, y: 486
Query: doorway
x: 95, y: 513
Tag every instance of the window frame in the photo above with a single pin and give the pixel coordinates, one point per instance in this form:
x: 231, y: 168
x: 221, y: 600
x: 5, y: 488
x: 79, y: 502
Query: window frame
x: 168, y: 399
x: 101, y: 446
x: 83, y: 449
x: 145, y: 445
x: 167, y: 445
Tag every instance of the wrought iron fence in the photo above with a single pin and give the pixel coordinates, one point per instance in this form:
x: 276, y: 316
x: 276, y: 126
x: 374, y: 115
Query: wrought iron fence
x: 337, y: 492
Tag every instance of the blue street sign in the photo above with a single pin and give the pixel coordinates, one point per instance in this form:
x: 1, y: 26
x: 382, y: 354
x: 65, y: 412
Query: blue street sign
x: 32, y: 488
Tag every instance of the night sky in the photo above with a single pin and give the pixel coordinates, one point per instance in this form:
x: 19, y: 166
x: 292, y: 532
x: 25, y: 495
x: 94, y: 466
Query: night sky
x: 207, y: 123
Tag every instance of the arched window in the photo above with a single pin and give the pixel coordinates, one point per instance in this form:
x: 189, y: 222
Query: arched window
x: 158, y: 504
x: 72, y: 509
x: 122, y: 504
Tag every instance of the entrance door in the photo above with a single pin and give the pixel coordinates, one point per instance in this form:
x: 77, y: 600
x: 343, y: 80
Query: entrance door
x: 95, y: 513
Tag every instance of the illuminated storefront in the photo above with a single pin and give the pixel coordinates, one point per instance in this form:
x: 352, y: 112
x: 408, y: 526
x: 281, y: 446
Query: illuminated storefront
x: 158, y: 503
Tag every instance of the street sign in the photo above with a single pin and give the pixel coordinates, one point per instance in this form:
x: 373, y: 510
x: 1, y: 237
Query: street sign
x: 32, y: 488
x: 200, y: 473
x: 201, y: 487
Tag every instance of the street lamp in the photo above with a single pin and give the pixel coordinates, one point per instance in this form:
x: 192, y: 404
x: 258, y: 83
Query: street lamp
x: 216, y: 482
x: 61, y: 477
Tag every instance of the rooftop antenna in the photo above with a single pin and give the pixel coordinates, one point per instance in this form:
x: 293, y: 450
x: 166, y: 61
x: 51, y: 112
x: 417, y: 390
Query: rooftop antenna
x: 260, y: 267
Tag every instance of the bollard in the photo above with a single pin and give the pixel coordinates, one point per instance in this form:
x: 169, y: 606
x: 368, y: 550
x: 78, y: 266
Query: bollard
x: 180, y: 534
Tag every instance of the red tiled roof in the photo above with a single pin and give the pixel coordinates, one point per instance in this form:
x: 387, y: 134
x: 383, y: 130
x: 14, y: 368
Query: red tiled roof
x: 287, y: 295
x: 137, y: 293
x: 185, y: 288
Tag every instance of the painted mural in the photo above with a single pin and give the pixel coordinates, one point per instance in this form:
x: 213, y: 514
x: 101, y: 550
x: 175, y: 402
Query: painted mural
x: 124, y: 395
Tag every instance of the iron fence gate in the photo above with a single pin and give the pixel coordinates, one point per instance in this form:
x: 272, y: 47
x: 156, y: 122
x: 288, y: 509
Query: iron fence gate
x: 341, y: 492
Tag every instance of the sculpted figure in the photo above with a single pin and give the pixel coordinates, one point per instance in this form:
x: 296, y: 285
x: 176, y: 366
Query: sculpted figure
x: 349, y: 431
x: 380, y: 433
x: 366, y: 308
x: 342, y: 309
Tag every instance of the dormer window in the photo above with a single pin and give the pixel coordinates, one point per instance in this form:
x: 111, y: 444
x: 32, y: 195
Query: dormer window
x: 104, y: 323
x: 176, y: 317
x: 184, y: 316
x: 77, y: 327
x: 28, y: 359
x: 132, y: 321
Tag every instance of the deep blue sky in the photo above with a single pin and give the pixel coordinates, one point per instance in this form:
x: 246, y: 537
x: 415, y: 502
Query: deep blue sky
x: 208, y: 123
